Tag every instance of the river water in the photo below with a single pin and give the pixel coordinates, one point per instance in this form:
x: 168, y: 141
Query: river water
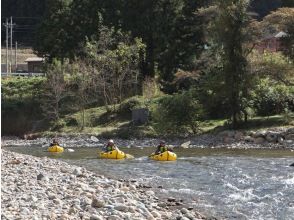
x: 225, y: 183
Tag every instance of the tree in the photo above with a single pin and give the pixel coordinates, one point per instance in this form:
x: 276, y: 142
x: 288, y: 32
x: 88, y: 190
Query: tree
x: 231, y: 38
x: 287, y: 3
x: 55, y: 90
x: 53, y: 36
x: 169, y: 28
x: 114, y: 63
x: 83, y: 86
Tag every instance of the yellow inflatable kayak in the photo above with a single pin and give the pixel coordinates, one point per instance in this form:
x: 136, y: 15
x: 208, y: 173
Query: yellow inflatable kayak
x: 56, y: 149
x: 165, y: 156
x: 115, y: 154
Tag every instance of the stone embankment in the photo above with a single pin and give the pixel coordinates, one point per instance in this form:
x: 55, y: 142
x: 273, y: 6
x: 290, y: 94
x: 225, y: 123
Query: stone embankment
x: 43, y: 188
x: 270, y: 138
x: 275, y: 138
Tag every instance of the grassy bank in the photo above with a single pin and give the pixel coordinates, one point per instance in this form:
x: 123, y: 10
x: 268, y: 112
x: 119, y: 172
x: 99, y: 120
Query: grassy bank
x: 22, y: 113
x: 99, y: 122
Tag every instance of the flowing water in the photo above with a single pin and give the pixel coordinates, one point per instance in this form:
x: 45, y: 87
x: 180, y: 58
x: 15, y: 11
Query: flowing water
x: 226, y: 183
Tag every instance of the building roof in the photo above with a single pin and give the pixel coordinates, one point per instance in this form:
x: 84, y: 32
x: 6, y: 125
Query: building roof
x: 34, y: 59
x: 280, y: 34
x: 276, y: 35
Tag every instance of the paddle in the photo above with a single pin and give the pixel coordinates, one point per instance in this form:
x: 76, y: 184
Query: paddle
x: 128, y: 156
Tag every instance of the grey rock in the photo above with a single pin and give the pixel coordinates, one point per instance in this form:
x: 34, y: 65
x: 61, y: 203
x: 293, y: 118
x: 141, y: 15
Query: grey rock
x: 155, y: 214
x: 228, y: 140
x: 272, y: 136
x: 280, y: 140
x: 113, y: 217
x: 189, y: 216
x: 150, y: 193
x: 121, y: 207
x: 238, y: 135
x: 227, y: 133
x: 185, y: 144
x: 290, y: 130
x: 78, y: 171
x: 184, y: 211
x: 259, y: 140
x: 40, y: 176
x: 259, y: 134
x: 289, y: 136
x: 51, y: 196
x: 95, y: 217
x: 248, y: 139
x: 98, y: 202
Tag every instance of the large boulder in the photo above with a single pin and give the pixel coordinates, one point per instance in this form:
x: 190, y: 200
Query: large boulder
x: 272, y: 136
x: 185, y: 144
x: 228, y: 140
x: 290, y: 131
x: 259, y: 134
x: 248, y: 139
x: 238, y: 135
x: 258, y: 140
x: 227, y: 133
x: 289, y: 136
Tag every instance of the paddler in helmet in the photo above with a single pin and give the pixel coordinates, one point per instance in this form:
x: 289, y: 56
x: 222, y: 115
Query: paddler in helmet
x: 110, y: 146
x: 161, y: 148
x: 54, y: 142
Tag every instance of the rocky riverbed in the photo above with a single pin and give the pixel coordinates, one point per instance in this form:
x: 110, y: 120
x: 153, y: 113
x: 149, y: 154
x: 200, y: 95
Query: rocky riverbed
x: 267, y: 138
x: 43, y: 188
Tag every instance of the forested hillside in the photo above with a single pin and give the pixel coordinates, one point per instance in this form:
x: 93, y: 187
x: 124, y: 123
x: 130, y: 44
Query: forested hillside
x: 27, y: 14
x: 185, y: 61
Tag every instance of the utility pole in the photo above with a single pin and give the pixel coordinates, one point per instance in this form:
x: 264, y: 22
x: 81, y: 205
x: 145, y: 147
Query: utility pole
x: 6, y: 25
x: 10, y: 43
x: 15, y: 55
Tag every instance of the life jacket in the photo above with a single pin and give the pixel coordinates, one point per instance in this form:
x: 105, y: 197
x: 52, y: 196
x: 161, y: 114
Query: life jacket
x: 163, y: 149
x: 109, y: 148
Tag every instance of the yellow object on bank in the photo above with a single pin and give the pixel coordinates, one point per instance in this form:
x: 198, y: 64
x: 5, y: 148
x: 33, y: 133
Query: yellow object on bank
x: 115, y: 154
x: 165, y: 156
x: 56, y: 149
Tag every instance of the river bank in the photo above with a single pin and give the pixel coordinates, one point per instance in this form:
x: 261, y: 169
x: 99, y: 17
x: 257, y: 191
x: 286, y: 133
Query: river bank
x: 43, y: 188
x: 275, y: 138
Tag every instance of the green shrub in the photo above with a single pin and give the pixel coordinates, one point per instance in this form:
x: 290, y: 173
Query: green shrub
x: 273, y: 99
x: 126, y: 107
x: 57, y: 125
x: 177, y: 113
x: 71, y: 121
x: 21, y: 104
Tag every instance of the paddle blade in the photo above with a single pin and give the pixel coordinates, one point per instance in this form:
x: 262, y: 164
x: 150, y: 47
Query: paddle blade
x: 129, y: 156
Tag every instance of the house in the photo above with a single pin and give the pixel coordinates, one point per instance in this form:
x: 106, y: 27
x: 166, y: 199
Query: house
x: 35, y: 64
x: 271, y: 43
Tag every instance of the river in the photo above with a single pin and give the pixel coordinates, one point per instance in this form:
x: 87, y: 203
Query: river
x: 226, y: 183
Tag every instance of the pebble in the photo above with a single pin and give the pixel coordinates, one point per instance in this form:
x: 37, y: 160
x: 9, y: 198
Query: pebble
x: 121, y: 207
x: 96, y: 217
x: 68, y: 196
x: 98, y: 202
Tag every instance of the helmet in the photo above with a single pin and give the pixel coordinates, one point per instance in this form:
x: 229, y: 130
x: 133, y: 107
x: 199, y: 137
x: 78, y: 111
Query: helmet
x: 162, y: 142
x: 110, y: 142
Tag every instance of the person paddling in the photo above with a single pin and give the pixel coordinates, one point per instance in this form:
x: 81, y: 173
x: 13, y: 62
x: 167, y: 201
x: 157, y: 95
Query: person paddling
x: 161, y: 148
x: 54, y: 142
x: 110, y: 146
